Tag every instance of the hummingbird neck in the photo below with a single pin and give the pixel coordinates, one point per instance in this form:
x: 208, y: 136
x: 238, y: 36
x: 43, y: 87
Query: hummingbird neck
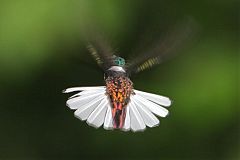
x: 117, y: 69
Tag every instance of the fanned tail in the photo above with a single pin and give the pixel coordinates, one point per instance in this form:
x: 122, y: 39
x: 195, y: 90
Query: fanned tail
x: 93, y: 105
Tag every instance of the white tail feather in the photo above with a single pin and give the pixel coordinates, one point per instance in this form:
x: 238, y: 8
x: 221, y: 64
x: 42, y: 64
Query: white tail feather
x: 87, y: 92
x: 127, y: 123
x: 108, y: 118
x: 153, y: 107
x: 84, y: 111
x: 77, y: 102
x: 137, y: 123
x: 97, y: 117
x: 149, y: 119
x: 165, y: 101
x: 73, y: 89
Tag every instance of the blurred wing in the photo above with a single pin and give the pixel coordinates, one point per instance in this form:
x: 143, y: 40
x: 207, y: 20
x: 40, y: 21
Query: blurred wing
x: 101, y: 51
x: 164, y: 48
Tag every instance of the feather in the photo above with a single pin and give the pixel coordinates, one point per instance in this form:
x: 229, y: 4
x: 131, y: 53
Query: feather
x: 97, y: 117
x: 75, y: 103
x: 165, y: 47
x: 153, y: 107
x: 137, y: 123
x: 149, y: 119
x: 101, y: 51
x: 73, y: 89
x: 127, y: 123
x: 85, y: 110
x: 108, y: 118
x: 161, y: 100
x: 87, y: 93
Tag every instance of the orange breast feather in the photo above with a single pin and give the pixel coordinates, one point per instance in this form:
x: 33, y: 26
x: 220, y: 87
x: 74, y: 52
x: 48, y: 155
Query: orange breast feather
x: 119, y: 90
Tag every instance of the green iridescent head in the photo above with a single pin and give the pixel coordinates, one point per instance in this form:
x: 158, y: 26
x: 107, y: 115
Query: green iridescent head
x: 119, y: 61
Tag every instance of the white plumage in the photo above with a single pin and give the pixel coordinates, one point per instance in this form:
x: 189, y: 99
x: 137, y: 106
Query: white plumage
x: 97, y: 117
x: 127, y: 124
x: 108, y: 118
x: 153, y: 107
x: 93, y: 105
x: 161, y: 100
x: 149, y: 119
x: 85, y: 110
x: 137, y: 123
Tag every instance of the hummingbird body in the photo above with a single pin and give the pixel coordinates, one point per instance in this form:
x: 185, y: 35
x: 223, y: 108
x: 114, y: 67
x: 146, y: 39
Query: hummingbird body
x: 119, y: 88
x: 117, y: 105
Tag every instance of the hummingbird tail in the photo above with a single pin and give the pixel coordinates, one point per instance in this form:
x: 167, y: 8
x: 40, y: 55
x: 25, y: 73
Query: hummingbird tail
x: 92, y: 104
x: 118, y: 117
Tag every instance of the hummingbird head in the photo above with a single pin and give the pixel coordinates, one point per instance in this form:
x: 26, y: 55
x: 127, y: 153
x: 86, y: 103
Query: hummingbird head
x: 118, y: 65
x: 118, y: 61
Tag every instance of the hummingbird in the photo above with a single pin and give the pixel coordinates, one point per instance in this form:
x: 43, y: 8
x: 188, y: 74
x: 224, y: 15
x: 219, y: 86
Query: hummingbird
x: 117, y: 104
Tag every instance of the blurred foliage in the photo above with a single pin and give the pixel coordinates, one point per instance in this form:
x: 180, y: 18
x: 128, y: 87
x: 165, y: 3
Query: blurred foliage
x: 42, y: 51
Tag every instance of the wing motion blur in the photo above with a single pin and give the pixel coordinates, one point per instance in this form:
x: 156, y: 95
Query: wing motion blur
x: 164, y: 48
x: 101, y: 51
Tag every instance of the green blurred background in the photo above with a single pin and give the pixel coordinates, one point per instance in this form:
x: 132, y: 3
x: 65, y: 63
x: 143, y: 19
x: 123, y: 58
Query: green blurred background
x: 42, y: 52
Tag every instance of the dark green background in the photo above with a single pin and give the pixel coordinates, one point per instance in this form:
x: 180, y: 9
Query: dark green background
x: 42, y: 52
